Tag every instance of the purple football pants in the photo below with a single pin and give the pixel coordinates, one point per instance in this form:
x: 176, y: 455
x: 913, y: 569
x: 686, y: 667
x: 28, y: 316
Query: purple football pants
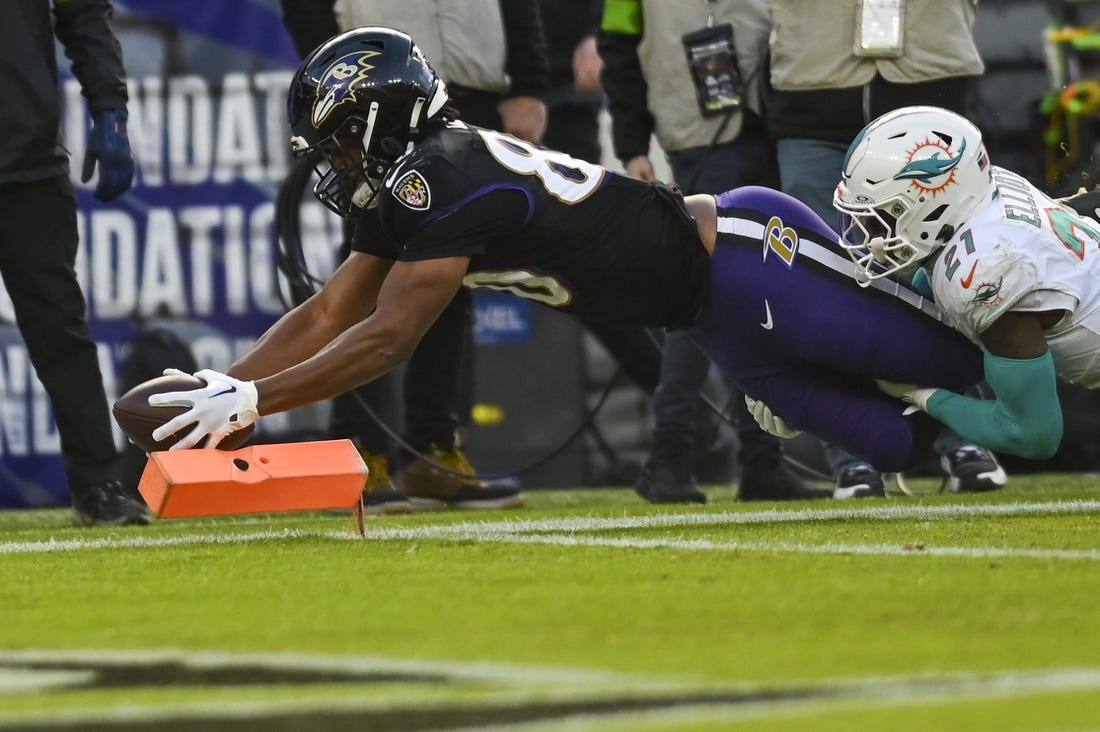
x: 787, y: 323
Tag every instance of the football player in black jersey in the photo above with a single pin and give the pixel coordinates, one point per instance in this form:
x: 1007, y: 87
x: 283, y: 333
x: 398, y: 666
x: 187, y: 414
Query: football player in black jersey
x: 754, y: 275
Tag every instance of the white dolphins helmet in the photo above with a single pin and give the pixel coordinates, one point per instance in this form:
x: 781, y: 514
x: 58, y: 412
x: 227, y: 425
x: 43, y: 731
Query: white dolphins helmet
x: 911, y: 178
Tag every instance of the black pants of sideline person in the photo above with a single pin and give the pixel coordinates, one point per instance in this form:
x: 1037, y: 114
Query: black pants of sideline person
x: 38, y: 244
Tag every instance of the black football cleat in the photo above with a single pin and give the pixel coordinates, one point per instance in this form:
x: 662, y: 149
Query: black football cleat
x: 107, y: 504
x: 770, y: 479
x: 973, y: 469
x: 666, y: 476
x: 859, y: 480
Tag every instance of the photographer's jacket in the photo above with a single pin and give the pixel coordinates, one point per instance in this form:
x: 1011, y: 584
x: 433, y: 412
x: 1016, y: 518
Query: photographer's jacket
x: 482, y: 45
x: 825, y: 91
x: 647, y: 78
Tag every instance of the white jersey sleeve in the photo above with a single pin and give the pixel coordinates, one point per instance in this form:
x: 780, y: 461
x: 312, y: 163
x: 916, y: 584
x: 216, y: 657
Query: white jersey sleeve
x: 1024, y: 252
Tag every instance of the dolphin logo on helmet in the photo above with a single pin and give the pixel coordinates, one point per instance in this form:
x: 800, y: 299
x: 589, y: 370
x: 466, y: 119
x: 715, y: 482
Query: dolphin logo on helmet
x: 923, y: 171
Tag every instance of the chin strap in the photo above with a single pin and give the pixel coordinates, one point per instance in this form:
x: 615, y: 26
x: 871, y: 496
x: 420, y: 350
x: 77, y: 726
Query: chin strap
x: 414, y: 123
x: 366, y: 195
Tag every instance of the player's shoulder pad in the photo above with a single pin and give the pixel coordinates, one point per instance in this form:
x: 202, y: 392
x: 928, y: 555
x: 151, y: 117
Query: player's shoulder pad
x: 975, y: 287
x: 425, y: 177
x: 407, y: 182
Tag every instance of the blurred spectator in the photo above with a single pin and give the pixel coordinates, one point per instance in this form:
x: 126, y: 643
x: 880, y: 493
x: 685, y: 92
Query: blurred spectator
x: 574, y: 103
x: 692, y: 74
x: 38, y: 228
x: 575, y: 97
x: 835, y: 67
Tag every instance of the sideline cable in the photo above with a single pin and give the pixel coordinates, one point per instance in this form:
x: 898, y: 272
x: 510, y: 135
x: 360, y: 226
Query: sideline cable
x: 303, y: 284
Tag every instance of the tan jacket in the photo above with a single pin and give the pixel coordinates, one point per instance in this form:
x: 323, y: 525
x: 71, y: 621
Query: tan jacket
x: 813, y: 41
x: 671, y: 101
x: 462, y: 39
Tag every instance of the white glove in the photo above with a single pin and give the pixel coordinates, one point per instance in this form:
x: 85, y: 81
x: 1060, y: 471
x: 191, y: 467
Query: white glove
x: 908, y: 393
x: 223, y: 406
x: 771, y: 423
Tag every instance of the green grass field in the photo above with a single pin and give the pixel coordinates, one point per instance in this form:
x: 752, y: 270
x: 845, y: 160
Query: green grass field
x: 589, y: 609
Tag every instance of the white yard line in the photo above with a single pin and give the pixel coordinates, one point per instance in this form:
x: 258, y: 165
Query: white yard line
x: 577, y: 532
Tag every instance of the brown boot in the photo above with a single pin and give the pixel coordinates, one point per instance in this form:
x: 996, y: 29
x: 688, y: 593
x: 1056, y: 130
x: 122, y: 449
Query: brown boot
x: 446, y: 480
x: 381, y: 496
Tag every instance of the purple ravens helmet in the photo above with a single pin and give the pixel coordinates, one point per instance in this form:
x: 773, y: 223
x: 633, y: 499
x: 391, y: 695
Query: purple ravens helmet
x: 357, y: 104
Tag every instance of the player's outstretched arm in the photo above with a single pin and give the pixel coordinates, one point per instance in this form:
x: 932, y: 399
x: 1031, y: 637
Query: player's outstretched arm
x: 411, y: 298
x: 1025, y: 417
x: 346, y: 299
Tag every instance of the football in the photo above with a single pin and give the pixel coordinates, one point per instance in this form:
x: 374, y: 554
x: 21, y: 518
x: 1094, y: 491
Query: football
x: 138, y: 419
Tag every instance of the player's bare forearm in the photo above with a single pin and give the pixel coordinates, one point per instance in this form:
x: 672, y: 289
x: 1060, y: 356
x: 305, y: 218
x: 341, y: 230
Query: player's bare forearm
x: 411, y: 299
x: 357, y: 356
x: 345, y: 300
x: 294, y: 338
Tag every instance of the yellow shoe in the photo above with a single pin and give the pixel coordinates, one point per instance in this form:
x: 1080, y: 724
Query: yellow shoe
x: 381, y: 496
x: 445, y: 479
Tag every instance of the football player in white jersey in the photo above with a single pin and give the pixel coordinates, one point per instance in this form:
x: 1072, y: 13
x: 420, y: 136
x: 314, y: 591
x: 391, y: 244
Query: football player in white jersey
x: 1014, y: 270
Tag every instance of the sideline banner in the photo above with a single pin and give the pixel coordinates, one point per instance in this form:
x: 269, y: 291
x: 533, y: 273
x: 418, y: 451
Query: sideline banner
x: 192, y: 243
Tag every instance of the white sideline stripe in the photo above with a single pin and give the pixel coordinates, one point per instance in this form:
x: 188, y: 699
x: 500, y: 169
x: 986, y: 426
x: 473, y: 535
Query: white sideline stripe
x: 897, y: 550
x: 878, y: 513
x: 541, y: 532
x: 117, y: 542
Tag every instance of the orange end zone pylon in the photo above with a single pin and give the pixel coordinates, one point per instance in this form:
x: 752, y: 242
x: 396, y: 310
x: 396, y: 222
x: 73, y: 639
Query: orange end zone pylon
x: 297, y: 476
